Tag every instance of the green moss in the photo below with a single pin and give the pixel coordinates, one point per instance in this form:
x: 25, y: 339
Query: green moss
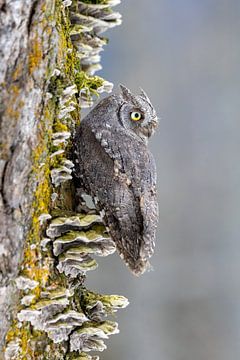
x: 110, y: 302
x: 95, y: 1
x: 67, y: 59
x: 83, y: 80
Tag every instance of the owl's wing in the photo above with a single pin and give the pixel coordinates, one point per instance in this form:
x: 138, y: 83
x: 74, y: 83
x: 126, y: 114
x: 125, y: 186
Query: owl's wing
x: 120, y: 172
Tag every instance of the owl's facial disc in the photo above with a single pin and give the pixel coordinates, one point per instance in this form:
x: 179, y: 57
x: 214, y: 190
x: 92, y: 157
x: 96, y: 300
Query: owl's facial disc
x: 136, y: 114
x: 140, y: 121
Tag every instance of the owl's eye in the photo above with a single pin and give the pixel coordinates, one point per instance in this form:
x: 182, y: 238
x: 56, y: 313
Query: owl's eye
x: 136, y: 115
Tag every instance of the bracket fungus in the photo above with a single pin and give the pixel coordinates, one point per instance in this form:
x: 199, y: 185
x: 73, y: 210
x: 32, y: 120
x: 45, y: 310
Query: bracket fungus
x: 91, y: 336
x: 74, y: 315
x: 74, y: 241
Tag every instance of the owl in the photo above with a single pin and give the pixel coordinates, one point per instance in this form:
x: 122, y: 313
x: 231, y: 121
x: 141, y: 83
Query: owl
x: 114, y: 165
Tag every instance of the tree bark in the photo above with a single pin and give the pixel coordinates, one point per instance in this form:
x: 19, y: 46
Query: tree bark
x: 26, y: 41
x: 42, y: 84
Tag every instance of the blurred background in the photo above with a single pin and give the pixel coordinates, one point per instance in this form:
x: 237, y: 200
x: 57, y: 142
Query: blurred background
x: 186, y: 55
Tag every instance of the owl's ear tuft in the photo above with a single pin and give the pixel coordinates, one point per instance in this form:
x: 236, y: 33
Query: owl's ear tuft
x: 144, y: 96
x: 126, y: 93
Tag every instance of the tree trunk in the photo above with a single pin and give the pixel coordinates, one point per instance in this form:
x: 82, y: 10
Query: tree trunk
x: 27, y: 38
x: 43, y: 82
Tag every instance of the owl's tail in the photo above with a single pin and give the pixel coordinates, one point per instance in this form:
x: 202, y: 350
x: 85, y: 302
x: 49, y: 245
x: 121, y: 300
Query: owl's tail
x: 133, y: 241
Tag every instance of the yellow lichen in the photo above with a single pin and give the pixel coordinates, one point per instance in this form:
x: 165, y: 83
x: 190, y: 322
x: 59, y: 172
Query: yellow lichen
x: 18, y: 71
x: 25, y: 334
x: 35, y: 55
x: 59, y: 127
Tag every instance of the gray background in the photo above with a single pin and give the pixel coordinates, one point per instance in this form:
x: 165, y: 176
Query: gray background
x: 186, y: 55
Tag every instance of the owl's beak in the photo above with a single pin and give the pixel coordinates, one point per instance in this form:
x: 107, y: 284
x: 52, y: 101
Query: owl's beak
x: 148, y: 130
x: 152, y: 126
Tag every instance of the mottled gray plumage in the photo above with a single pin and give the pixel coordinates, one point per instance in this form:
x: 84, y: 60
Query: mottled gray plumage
x: 114, y: 165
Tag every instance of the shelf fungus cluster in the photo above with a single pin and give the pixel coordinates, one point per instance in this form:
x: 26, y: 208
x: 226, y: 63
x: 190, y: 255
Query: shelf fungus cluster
x: 88, y: 21
x: 75, y: 239
x: 71, y: 315
x: 74, y: 316
x: 61, y: 172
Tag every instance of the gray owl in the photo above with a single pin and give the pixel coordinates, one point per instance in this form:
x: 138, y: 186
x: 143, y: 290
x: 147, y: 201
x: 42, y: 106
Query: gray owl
x: 114, y: 166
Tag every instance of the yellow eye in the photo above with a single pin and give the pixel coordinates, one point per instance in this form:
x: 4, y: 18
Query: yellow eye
x: 135, y: 115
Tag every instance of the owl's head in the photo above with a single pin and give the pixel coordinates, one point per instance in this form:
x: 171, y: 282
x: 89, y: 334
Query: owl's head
x: 137, y: 114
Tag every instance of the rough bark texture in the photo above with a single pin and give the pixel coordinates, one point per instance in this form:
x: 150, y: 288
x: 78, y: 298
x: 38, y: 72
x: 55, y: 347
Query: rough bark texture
x: 42, y: 83
x: 27, y: 38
